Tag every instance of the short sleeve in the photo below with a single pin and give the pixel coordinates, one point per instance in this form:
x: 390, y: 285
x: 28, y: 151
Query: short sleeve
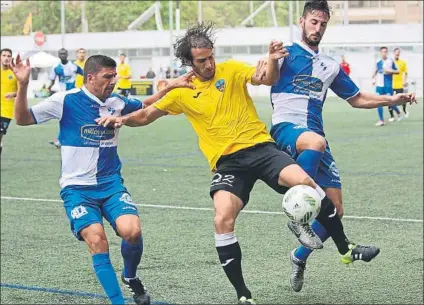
x: 242, y: 70
x: 170, y: 103
x: 131, y: 105
x: 50, y: 108
x: 343, y: 86
x: 52, y: 75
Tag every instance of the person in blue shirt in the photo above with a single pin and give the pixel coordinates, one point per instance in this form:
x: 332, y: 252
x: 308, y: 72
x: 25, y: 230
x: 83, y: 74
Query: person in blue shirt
x: 66, y: 73
x: 91, y: 182
x: 383, y: 79
x: 297, y: 123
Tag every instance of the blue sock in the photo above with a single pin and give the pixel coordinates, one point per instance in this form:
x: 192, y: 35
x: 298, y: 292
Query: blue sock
x: 302, y: 252
x: 132, y: 257
x: 309, y: 160
x: 395, y: 108
x: 107, y: 277
x: 380, y: 113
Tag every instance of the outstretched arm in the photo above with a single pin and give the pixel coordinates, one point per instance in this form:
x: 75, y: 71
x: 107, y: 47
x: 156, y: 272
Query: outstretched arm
x: 184, y: 81
x: 369, y: 100
x: 140, y: 117
x: 23, y: 115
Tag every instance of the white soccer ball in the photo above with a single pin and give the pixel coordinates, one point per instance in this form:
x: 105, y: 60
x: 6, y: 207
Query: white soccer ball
x: 301, y: 203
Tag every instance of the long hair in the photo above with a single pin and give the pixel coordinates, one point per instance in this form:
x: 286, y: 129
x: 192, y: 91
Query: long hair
x: 197, y: 36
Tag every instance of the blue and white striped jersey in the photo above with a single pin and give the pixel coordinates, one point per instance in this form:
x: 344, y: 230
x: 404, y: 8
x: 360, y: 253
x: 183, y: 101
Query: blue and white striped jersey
x: 89, y: 151
x: 385, y: 80
x: 67, y: 75
x: 305, y: 77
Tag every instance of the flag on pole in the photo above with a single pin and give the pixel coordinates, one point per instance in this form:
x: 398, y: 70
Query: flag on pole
x: 28, y: 25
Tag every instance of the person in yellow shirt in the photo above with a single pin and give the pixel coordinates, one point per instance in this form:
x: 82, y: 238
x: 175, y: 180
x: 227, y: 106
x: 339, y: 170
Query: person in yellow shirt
x: 124, y: 76
x: 400, y: 81
x: 9, y: 87
x: 235, y: 142
x: 80, y: 62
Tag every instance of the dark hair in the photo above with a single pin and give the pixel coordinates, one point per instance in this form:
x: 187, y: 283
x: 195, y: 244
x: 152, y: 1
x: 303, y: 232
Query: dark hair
x: 383, y: 48
x: 316, y: 5
x: 97, y: 62
x: 122, y: 54
x: 198, y: 36
x: 6, y: 50
x: 396, y: 49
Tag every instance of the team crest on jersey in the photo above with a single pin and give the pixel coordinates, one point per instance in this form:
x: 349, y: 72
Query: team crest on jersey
x: 220, y: 85
x: 97, y: 133
x: 110, y: 110
x: 333, y: 169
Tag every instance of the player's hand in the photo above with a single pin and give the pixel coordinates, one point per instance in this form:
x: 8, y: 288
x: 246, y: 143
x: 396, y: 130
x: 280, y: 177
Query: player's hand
x: 261, y: 68
x: 10, y: 95
x: 21, y: 71
x: 110, y: 121
x: 373, y: 81
x: 404, y: 98
x: 276, y: 50
x: 405, y: 85
x: 183, y: 81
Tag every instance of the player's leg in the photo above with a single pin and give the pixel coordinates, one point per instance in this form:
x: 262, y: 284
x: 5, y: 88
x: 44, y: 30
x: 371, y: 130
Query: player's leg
x: 4, y: 125
x: 86, y: 224
x: 230, y: 191
x: 122, y: 213
x: 380, y: 91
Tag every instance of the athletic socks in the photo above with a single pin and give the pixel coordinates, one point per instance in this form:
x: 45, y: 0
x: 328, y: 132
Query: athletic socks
x: 107, y: 277
x: 302, y: 253
x: 380, y: 113
x: 309, y: 160
x: 331, y: 221
x: 132, y: 256
x: 229, y: 253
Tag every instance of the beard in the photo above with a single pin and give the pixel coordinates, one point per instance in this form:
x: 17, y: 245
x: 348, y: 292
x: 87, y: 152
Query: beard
x: 310, y: 42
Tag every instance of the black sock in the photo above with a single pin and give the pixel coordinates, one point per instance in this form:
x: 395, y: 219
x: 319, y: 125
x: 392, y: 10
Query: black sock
x: 404, y: 108
x: 391, y: 112
x: 329, y: 218
x: 230, y: 258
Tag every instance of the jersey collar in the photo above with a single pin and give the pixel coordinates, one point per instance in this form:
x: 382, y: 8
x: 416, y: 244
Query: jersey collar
x: 308, y: 49
x: 92, y: 96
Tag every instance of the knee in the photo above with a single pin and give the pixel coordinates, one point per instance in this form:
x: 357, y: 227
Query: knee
x: 131, y: 233
x: 313, y: 141
x: 224, y: 223
x: 96, y: 241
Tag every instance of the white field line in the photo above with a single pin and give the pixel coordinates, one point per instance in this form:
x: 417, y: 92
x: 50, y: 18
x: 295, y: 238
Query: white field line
x: 160, y: 206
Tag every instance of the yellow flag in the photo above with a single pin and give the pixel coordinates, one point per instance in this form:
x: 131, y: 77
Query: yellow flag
x: 28, y: 25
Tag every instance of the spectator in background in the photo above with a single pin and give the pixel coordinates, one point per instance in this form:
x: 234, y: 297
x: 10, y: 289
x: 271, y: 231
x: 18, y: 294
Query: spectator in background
x: 150, y: 74
x: 400, y: 81
x: 168, y: 72
x: 345, y: 66
x: 124, y: 76
x: 80, y: 62
x: 175, y: 74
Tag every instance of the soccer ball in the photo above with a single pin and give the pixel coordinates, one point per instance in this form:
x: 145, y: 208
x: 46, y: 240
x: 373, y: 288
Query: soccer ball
x: 301, y: 203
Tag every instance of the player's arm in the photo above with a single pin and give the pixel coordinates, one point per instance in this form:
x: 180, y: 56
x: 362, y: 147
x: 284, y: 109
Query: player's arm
x: 79, y: 70
x: 184, y: 81
x: 10, y: 95
x: 268, y: 71
x: 405, y: 78
x: 369, y: 100
x: 52, y: 78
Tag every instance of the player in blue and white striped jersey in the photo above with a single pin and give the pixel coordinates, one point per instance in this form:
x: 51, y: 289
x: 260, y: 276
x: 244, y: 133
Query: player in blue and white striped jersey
x: 297, y: 124
x: 91, y: 182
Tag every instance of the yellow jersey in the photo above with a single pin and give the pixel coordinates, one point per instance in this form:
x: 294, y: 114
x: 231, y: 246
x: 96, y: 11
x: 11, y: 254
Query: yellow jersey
x: 123, y: 70
x: 220, y: 111
x: 9, y: 84
x: 79, y: 80
x: 398, y: 78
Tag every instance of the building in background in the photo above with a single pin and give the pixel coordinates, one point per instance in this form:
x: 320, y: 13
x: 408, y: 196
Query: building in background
x: 379, y: 11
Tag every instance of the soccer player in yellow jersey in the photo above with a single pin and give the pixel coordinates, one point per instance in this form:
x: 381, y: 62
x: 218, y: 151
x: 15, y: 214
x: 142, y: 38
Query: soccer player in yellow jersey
x: 400, y: 81
x: 124, y: 76
x: 9, y: 87
x: 80, y: 62
x: 235, y: 142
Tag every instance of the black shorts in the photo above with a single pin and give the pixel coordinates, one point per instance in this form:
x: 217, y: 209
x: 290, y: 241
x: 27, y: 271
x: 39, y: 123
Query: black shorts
x: 4, y: 124
x: 238, y: 172
x: 124, y: 92
x: 396, y: 91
